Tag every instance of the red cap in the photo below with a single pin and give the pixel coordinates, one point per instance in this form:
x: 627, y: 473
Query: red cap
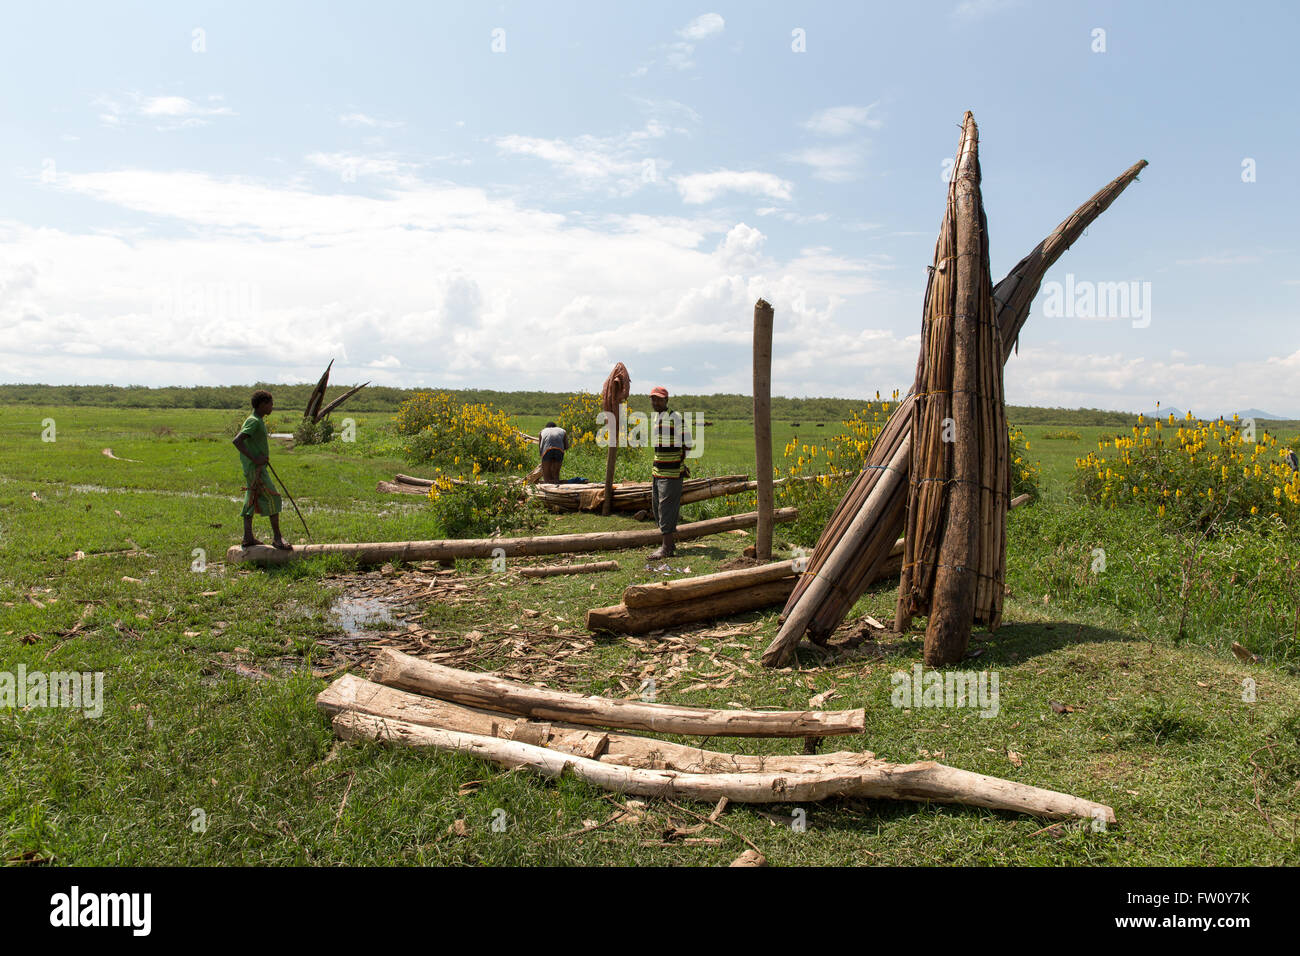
x: 660, y: 391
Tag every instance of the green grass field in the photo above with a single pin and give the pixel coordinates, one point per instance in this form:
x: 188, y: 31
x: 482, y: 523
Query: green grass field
x: 1141, y: 650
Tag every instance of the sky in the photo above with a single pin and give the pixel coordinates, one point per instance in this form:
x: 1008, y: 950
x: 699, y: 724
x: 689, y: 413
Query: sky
x: 519, y: 195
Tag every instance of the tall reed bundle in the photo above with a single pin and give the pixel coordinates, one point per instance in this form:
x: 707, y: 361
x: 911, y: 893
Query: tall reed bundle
x: 888, y: 457
x: 954, y: 555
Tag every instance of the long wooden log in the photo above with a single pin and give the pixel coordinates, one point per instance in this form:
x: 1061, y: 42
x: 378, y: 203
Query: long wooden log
x: 923, y: 781
x: 552, y: 570
x: 677, y: 590
x: 763, y: 427
x: 1012, y: 298
x: 621, y: 619
x: 494, y: 693
x: 352, y: 693
x: 382, y: 551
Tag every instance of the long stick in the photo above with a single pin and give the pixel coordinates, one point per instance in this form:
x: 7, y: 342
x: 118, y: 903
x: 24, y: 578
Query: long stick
x: 280, y: 482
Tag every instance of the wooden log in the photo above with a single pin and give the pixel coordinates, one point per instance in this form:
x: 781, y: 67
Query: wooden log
x: 763, y: 427
x: 660, y: 593
x: 402, y: 488
x: 493, y: 693
x: 352, y: 693
x: 634, y: 495
x: 611, y: 460
x: 553, y: 569
x: 923, y: 781
x: 1012, y: 298
x: 621, y: 619
x: 383, y: 551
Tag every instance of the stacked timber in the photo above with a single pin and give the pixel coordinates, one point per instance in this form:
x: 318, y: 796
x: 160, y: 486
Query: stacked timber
x: 649, y: 607
x: 954, y: 559
x: 633, y: 496
x: 878, y: 497
x: 415, y: 703
x: 629, y: 496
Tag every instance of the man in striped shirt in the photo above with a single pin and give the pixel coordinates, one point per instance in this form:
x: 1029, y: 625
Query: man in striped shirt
x: 670, y: 441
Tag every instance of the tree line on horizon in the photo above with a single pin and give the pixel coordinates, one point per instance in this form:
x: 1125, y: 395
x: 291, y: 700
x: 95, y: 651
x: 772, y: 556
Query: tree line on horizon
x: 383, y: 398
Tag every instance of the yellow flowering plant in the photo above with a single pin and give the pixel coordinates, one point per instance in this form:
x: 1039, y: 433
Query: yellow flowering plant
x: 1192, y: 472
x: 470, y: 438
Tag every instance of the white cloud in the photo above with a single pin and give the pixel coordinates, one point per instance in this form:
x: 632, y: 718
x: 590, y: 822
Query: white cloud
x: 1057, y: 376
x: 842, y: 120
x: 680, y: 54
x: 834, y: 164
x: 417, y: 283
x: 620, y: 163
x: 166, y: 112
x: 1220, y: 259
x: 703, y: 26
x: 705, y: 187
x: 361, y: 119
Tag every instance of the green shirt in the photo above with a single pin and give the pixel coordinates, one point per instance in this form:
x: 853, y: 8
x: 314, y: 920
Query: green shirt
x: 256, y: 440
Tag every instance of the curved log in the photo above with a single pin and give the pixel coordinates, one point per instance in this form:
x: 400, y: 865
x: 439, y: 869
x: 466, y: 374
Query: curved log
x: 525, y: 700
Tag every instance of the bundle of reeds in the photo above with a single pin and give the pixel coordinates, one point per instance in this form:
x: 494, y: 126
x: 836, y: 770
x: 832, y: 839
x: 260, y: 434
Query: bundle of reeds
x: 954, y: 554
x: 877, y: 499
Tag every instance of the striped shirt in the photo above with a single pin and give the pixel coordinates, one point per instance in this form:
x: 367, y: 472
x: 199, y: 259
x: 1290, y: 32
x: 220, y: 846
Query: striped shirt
x: 670, y: 438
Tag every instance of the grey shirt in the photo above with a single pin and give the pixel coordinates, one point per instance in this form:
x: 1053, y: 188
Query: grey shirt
x: 553, y: 439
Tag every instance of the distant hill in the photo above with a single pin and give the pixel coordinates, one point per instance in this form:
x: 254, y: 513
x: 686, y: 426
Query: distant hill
x: 1259, y: 414
x: 1164, y: 413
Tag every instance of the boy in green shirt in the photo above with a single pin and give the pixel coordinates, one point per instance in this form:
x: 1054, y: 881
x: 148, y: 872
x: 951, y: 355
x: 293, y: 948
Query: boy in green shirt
x: 260, y: 496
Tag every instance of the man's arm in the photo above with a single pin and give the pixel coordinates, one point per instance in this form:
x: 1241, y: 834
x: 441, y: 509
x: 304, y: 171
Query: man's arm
x: 239, y: 443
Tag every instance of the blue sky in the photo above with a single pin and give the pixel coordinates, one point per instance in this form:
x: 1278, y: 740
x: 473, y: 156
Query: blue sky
x: 519, y: 195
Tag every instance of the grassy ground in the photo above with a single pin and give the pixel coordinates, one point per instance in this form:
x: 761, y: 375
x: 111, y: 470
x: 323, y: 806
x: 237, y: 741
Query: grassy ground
x: 1160, y: 731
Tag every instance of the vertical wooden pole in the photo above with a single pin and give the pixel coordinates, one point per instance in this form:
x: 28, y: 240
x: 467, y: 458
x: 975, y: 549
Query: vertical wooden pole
x: 611, y: 458
x: 763, y: 426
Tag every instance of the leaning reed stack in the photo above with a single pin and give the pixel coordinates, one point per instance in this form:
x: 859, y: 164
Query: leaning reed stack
x: 818, y: 615
x: 955, y: 539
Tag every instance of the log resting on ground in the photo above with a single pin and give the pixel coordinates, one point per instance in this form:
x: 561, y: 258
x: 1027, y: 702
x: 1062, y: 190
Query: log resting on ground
x: 383, y: 551
x: 352, y: 693
x: 922, y: 781
x: 525, y: 700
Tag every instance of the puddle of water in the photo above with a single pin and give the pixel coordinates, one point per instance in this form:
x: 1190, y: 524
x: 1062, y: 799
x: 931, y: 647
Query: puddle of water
x: 352, y: 614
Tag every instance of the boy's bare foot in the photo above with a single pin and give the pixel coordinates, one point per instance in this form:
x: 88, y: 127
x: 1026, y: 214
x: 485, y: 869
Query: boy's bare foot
x: 251, y: 543
x: 281, y: 545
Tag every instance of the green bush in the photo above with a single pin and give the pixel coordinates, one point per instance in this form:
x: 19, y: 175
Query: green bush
x: 482, y: 508
x: 313, y: 433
